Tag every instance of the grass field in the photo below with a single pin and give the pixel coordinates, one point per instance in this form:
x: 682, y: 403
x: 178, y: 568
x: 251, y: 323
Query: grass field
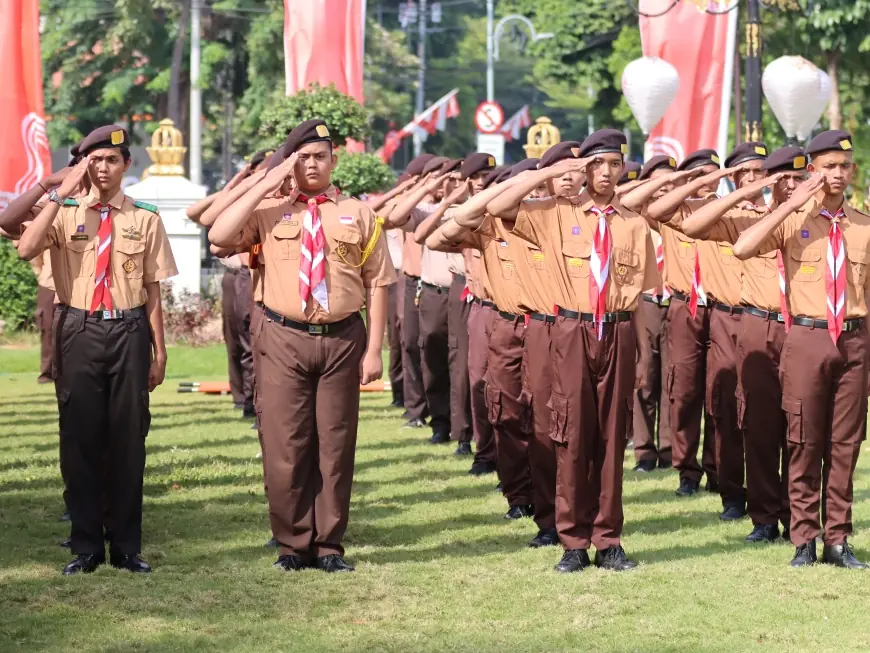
x: 438, y: 569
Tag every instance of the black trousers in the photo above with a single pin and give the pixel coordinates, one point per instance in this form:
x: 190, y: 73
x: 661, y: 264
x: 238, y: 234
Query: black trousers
x: 435, y: 355
x: 236, y: 303
x: 416, y: 404
x: 102, y: 396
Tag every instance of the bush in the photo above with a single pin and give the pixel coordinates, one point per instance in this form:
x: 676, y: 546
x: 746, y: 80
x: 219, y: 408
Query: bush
x: 191, y: 318
x: 17, y: 289
x: 358, y: 173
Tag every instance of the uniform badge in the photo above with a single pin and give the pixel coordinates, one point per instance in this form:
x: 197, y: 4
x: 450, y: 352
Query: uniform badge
x: 622, y: 270
x: 80, y: 233
x: 322, y: 131
x: 342, y: 249
x: 575, y: 231
x: 129, y: 266
x: 502, y: 243
x: 346, y: 219
x: 805, y: 233
x: 286, y: 217
x: 117, y: 137
x: 131, y: 233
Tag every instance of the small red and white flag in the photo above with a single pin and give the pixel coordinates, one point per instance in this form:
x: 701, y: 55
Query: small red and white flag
x: 513, y: 126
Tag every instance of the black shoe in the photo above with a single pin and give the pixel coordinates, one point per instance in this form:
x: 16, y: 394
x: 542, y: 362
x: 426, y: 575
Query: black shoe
x: 840, y: 555
x: 66, y: 544
x: 687, y: 488
x: 133, y: 563
x: 518, y: 512
x: 498, y: 488
x: 712, y: 486
x: 548, y: 537
x: 479, y: 469
x: 763, y: 533
x: 463, y: 449
x: 665, y: 465
x: 614, y: 559
x: 733, y: 512
x: 249, y: 413
x: 398, y: 402
x: 804, y: 555
x: 65, y: 516
x: 271, y: 544
x: 333, y: 563
x: 573, y: 560
x: 440, y: 437
x: 289, y: 563
x: 238, y: 405
x: 415, y: 423
x: 645, y: 466
x: 84, y: 563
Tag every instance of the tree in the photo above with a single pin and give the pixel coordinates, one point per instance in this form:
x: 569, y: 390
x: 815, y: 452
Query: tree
x: 358, y: 173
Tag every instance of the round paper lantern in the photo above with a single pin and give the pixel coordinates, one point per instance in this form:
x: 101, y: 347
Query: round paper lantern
x: 650, y: 85
x: 798, y: 93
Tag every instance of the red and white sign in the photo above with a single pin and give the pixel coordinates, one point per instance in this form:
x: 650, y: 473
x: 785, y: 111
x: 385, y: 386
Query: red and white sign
x: 489, y: 117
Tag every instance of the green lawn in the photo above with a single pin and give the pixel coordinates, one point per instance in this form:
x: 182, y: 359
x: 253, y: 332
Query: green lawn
x: 438, y: 569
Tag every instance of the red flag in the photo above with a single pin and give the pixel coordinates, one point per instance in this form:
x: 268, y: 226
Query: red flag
x: 26, y: 156
x: 701, y: 47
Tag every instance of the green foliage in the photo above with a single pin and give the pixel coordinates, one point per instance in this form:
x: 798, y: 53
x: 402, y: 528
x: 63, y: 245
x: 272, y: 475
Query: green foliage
x: 17, y: 288
x: 345, y: 117
x: 358, y: 173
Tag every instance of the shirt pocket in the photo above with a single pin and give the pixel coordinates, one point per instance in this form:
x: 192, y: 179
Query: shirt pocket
x: 685, y: 246
x: 129, y: 258
x: 576, y: 257
x: 726, y: 254
x: 808, y: 261
x: 766, y: 267
x: 81, y: 256
x: 625, y: 267
x: 535, y: 258
x: 347, y: 246
x: 858, y: 263
x: 505, y: 261
x: 287, y: 241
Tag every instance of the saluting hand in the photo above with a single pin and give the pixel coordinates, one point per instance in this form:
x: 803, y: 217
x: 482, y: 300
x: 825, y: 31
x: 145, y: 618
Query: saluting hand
x: 808, y: 188
x: 459, y: 193
x: 156, y: 373
x: 238, y: 178
x: 56, y: 178
x: 274, y: 179
x: 371, y: 368
x: 75, y: 178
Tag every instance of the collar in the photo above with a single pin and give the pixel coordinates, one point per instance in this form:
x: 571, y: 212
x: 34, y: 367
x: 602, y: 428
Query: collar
x: 815, y: 205
x: 585, y: 201
x: 331, y: 193
x: 116, y: 201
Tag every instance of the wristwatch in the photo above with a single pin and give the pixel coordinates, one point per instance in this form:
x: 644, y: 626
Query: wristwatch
x: 54, y: 197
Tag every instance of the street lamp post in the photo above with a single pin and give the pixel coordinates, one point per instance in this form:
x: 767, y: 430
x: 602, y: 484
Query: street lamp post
x: 494, y: 34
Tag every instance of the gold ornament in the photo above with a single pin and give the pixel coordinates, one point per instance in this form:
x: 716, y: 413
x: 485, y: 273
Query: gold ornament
x: 541, y: 137
x: 166, y: 151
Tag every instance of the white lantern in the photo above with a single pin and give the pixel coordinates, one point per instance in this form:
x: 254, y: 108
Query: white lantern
x: 798, y: 93
x: 650, y: 85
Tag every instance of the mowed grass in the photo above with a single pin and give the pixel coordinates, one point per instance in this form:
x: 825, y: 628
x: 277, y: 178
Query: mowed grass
x: 438, y: 569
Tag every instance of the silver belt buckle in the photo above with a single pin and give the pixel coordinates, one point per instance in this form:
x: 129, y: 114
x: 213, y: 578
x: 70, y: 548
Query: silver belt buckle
x: 315, y: 329
x: 107, y: 315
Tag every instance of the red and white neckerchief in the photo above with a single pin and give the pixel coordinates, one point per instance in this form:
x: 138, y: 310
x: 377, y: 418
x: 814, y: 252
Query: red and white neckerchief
x: 835, y: 274
x: 103, y: 276
x: 312, y: 265
x: 600, y: 264
x: 783, y: 301
x: 697, y: 296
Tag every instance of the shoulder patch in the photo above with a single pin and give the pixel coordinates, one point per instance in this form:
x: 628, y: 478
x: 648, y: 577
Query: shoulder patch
x: 145, y: 205
x: 69, y: 201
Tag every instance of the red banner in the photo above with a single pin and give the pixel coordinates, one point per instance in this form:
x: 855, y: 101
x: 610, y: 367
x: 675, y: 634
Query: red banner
x: 26, y: 155
x: 323, y: 42
x: 701, y: 47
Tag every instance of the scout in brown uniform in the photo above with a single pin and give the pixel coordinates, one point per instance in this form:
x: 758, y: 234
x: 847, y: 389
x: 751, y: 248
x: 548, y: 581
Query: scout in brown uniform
x: 328, y: 256
x: 651, y: 407
x: 109, y: 254
x: 761, y: 338
x: 823, y: 368
x: 607, y: 259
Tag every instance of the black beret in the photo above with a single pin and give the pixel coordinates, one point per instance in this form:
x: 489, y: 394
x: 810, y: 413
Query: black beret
x: 75, y: 154
x: 563, y: 150
x: 751, y: 151
x: 310, y: 131
x: 832, y: 140
x: 522, y: 166
x: 277, y: 158
x: 504, y: 175
x: 630, y: 172
x: 402, y: 178
x: 452, y: 165
x: 108, y: 136
x: 416, y: 166
x: 260, y: 156
x: 434, y: 163
x: 475, y: 163
x: 660, y: 161
x: 785, y: 159
x: 604, y: 141
x: 493, y: 175
x: 705, y: 157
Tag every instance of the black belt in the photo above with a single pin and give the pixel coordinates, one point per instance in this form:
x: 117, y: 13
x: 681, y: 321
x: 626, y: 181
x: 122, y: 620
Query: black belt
x: 770, y: 316
x: 508, y: 316
x: 684, y: 297
x: 313, y: 329
x: 854, y: 324
x: 727, y: 308
x: 411, y: 276
x: 657, y: 300
x: 439, y: 289
x: 116, y: 314
x: 543, y: 317
x: 487, y: 303
x: 456, y: 276
x: 607, y: 318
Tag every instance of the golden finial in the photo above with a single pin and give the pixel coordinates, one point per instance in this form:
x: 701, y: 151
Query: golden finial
x: 166, y: 151
x: 542, y: 136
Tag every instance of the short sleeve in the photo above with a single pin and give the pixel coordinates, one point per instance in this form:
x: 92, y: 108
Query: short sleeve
x: 651, y: 276
x: 159, y: 261
x: 776, y: 240
x: 378, y: 268
x: 528, y: 216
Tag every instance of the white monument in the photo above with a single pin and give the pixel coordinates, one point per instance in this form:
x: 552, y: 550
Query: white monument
x: 165, y: 185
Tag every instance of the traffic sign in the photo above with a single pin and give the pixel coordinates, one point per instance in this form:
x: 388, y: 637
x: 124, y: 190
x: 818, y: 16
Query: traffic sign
x: 489, y: 117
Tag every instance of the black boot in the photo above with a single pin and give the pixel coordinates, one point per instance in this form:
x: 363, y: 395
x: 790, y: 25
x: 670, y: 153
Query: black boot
x: 573, y: 560
x: 614, y: 559
x: 687, y: 488
x: 84, y: 563
x: 840, y: 555
x: 645, y: 466
x: 763, y: 533
x: 545, y: 537
x: 463, y: 449
x: 805, y: 555
x: 733, y: 512
x: 518, y: 512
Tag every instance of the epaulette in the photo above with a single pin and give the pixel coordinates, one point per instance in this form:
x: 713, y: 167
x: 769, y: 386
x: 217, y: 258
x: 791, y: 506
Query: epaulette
x: 69, y: 201
x: 145, y: 205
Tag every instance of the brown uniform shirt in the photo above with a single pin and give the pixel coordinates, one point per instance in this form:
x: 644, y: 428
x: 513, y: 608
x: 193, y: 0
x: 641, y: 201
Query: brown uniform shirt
x: 140, y: 252
x: 803, y: 239
x: 720, y: 269
x: 348, y: 226
x: 412, y: 256
x: 499, y: 249
x: 42, y: 269
x: 563, y: 229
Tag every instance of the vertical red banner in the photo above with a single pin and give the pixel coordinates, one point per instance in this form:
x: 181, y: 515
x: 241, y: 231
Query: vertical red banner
x: 701, y: 47
x: 26, y: 154
x: 324, y: 42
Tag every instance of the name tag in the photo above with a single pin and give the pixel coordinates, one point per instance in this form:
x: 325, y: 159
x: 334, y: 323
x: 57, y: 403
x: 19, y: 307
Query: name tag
x: 727, y: 251
x: 575, y: 262
x: 79, y: 237
x: 682, y: 244
x: 537, y: 256
x: 807, y: 269
x: 346, y: 219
